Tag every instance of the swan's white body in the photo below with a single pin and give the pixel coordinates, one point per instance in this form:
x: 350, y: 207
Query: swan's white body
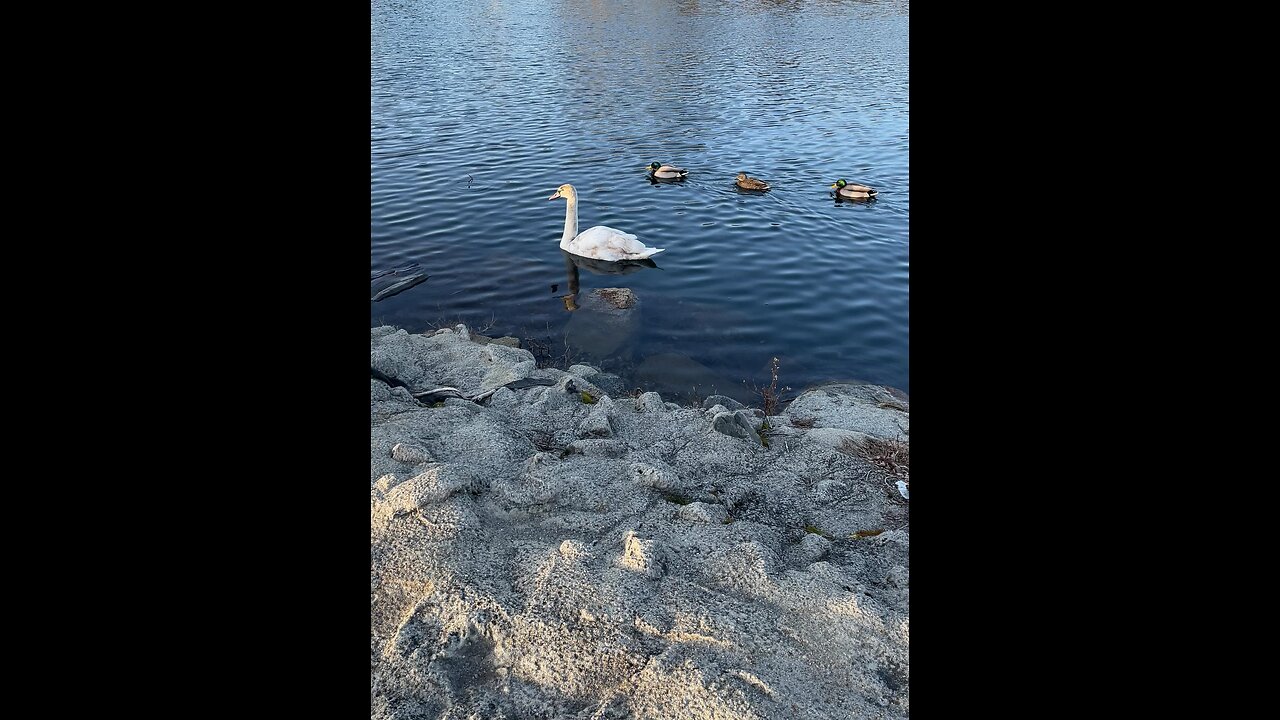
x: 599, y: 242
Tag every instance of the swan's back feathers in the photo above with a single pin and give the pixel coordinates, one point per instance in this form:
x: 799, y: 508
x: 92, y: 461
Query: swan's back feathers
x: 606, y: 243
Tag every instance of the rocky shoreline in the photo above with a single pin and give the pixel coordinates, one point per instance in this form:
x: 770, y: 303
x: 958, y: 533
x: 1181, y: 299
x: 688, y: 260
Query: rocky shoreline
x: 567, y: 551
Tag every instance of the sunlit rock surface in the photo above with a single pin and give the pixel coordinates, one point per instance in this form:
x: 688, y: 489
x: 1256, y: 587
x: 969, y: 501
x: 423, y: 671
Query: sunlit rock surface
x: 537, y: 556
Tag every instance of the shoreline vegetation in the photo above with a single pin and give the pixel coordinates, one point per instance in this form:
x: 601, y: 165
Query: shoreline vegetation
x: 544, y: 544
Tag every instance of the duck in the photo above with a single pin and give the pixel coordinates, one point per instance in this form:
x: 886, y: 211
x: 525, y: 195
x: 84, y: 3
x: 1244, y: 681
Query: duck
x: 599, y: 242
x: 750, y: 183
x: 666, y: 172
x: 846, y: 189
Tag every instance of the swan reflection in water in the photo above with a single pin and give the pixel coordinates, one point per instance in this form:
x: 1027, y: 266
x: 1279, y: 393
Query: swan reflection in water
x: 600, y: 267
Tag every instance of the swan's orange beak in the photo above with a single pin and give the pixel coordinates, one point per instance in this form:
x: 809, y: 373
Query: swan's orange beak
x: 554, y: 195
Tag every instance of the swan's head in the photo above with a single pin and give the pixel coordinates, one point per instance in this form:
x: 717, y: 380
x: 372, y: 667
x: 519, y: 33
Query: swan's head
x: 839, y: 183
x: 565, y: 191
x: 653, y: 167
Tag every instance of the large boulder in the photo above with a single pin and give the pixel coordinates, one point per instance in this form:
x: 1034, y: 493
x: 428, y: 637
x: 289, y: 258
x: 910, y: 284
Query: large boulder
x: 448, y: 357
x: 870, y: 409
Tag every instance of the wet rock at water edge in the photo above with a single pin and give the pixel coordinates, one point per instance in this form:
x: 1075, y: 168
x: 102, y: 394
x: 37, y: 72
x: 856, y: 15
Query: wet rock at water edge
x: 735, y: 424
x: 728, y: 402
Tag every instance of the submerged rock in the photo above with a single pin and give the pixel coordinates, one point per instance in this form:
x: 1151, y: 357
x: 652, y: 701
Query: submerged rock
x: 618, y: 298
x: 669, y: 373
x: 485, y: 340
x: 605, y: 321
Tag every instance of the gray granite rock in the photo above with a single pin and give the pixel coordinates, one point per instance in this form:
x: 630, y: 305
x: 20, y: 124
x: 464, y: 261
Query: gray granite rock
x: 411, y: 454
x: 703, y: 513
x: 728, y: 402
x: 735, y: 424
x: 650, y: 402
x: 525, y: 563
x: 870, y: 409
x: 607, y: 382
x: 447, y: 358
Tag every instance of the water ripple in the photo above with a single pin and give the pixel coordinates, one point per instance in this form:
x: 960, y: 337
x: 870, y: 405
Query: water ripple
x: 478, y: 111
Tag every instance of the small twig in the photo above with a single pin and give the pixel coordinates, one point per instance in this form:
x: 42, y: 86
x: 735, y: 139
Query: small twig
x: 770, y: 395
x: 468, y: 180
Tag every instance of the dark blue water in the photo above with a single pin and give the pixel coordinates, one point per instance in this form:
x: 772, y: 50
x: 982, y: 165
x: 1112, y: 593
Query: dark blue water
x: 479, y: 110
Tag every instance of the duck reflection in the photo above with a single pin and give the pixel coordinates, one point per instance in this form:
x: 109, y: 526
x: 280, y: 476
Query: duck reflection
x: 572, y: 263
x: 840, y: 200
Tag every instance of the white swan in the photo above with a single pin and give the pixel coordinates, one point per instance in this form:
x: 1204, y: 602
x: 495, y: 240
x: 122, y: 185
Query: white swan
x: 599, y: 242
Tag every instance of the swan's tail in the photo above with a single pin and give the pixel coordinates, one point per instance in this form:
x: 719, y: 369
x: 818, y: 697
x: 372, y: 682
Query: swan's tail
x: 647, y: 253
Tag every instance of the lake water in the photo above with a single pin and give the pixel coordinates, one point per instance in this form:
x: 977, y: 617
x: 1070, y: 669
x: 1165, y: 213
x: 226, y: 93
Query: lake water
x: 479, y: 110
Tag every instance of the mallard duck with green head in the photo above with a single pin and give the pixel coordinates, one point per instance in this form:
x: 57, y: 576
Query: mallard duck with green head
x: 666, y: 172
x: 846, y: 189
x: 750, y: 183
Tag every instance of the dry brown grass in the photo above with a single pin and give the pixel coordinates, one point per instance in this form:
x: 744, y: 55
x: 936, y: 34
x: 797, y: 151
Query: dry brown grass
x: 771, y: 395
x: 441, y: 322
x: 893, y: 456
x: 546, y: 352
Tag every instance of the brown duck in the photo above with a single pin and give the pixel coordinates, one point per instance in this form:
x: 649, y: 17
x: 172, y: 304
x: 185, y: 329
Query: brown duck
x: 750, y: 183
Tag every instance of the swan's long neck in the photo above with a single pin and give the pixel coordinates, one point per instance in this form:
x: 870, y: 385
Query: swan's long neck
x: 570, y: 220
